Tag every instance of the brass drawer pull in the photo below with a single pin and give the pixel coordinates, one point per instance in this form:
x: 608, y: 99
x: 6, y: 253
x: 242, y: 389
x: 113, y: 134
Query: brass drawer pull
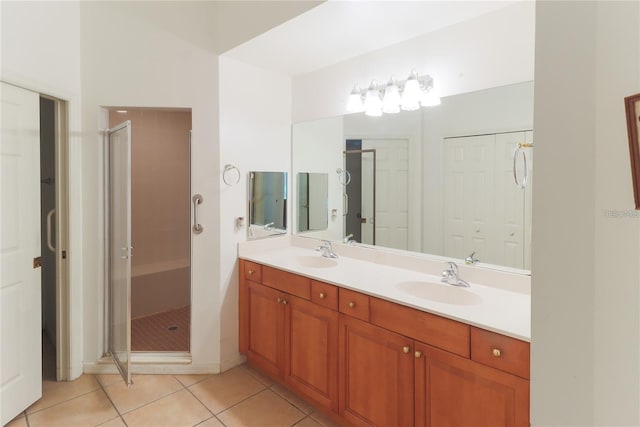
x: 352, y: 304
x: 279, y: 300
x: 406, y: 349
x: 496, y: 352
x: 250, y: 272
x: 285, y: 302
x: 418, y: 354
x: 322, y: 295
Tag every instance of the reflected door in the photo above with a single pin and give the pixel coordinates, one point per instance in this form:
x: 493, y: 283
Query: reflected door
x: 120, y: 249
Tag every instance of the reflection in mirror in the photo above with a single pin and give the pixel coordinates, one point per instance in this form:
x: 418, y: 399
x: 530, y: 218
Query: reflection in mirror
x: 313, y: 191
x: 267, y: 203
x: 442, y: 181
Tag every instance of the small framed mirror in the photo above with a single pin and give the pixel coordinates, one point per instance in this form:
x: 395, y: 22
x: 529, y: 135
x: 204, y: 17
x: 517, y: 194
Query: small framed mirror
x: 267, y: 204
x: 312, y: 206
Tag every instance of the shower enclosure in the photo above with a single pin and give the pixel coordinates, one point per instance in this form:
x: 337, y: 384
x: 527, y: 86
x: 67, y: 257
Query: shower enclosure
x: 149, y: 229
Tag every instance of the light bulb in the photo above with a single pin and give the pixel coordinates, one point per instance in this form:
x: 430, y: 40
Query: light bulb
x: 372, y: 101
x: 411, y: 93
x: 391, y: 100
x: 355, y: 105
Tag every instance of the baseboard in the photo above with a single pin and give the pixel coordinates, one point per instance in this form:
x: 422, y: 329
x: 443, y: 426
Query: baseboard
x: 163, y: 364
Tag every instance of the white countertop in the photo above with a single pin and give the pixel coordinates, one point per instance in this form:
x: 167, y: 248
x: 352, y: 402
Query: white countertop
x: 503, y: 307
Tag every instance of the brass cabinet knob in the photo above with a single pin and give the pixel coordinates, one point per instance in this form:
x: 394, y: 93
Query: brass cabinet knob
x: 322, y: 295
x: 250, y: 272
x: 496, y: 352
x: 418, y: 354
x: 279, y: 300
x: 285, y: 302
x: 406, y: 349
x: 352, y: 304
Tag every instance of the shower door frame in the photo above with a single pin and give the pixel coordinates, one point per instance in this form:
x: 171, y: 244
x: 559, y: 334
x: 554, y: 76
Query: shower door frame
x: 141, y: 362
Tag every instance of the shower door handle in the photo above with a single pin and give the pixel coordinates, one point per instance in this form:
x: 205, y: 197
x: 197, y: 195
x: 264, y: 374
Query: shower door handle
x: 197, y: 200
x: 49, y: 244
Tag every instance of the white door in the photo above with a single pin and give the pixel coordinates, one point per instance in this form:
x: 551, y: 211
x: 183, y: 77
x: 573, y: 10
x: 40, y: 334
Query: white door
x: 120, y: 249
x: 21, y: 357
x: 391, y: 219
x: 509, y: 204
x: 468, y: 196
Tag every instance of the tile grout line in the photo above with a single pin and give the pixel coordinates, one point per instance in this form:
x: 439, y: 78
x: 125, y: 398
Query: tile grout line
x: 202, y: 403
x: 62, y: 401
x: 150, y: 402
x: 104, y: 390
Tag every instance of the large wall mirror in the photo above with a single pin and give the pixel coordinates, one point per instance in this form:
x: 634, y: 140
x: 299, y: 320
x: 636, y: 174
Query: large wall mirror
x: 267, y: 204
x: 448, y: 180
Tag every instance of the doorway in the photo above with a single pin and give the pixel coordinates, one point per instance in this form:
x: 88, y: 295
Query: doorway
x: 53, y: 238
x: 157, y: 212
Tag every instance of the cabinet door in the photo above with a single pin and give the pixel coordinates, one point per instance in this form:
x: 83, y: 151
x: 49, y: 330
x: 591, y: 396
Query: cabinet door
x: 376, y: 375
x: 266, y: 328
x: 452, y: 391
x: 311, y: 351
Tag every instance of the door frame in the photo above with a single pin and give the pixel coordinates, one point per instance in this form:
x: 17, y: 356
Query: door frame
x: 63, y: 289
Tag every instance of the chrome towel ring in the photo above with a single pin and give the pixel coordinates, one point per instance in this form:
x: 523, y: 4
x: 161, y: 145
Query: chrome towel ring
x: 231, y: 175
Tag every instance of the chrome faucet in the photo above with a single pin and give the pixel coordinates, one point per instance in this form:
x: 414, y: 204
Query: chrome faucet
x: 471, y: 259
x: 347, y: 239
x: 326, y: 250
x: 269, y: 226
x: 451, y: 276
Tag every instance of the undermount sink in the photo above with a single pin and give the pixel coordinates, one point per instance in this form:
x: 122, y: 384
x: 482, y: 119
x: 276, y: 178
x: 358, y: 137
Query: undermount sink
x: 316, y: 261
x: 440, y: 292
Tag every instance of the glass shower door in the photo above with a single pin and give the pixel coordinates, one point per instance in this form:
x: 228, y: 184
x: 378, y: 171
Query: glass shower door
x: 120, y: 249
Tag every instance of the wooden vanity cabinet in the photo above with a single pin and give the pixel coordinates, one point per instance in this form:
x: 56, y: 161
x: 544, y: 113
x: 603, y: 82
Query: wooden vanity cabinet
x: 289, y: 337
x: 376, y: 363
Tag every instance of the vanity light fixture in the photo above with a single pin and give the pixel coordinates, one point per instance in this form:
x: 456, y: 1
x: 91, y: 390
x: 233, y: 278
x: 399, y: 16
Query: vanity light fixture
x: 407, y: 95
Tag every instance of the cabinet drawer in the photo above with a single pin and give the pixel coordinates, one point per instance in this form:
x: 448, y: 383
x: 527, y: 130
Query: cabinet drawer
x: 287, y: 282
x: 431, y: 329
x: 324, y: 294
x: 252, y: 271
x: 354, y: 304
x: 501, y: 352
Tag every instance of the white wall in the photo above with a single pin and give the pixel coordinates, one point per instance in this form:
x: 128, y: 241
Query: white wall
x: 585, y: 361
x: 40, y: 51
x: 152, y: 54
x: 317, y: 147
x: 255, y: 134
x: 492, y: 50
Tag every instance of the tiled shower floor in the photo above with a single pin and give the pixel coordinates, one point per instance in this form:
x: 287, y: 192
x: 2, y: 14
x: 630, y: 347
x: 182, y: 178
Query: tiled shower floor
x: 239, y: 397
x: 167, y: 331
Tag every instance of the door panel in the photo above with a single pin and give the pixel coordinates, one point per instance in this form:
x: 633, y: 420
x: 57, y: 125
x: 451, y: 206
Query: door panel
x: 21, y: 359
x: 120, y: 249
x: 266, y: 328
x: 375, y: 374
x: 311, y: 353
x: 457, y: 392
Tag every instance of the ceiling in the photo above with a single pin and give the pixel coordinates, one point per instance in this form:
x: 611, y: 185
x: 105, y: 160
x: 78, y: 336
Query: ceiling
x: 335, y: 31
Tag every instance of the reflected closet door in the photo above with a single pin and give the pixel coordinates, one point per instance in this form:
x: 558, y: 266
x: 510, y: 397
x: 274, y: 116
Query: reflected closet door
x: 120, y: 249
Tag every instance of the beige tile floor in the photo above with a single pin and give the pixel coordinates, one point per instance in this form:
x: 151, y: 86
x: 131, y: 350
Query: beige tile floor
x: 238, y: 397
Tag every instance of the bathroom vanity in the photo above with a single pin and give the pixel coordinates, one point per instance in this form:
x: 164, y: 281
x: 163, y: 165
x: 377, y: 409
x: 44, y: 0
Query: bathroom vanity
x: 379, y: 341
